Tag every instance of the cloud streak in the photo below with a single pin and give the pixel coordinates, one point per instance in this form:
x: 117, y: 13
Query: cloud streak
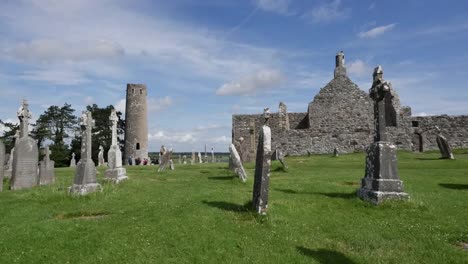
x: 377, y: 31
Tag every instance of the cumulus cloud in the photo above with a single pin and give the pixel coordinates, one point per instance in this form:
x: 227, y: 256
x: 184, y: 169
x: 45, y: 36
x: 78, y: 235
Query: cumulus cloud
x: 159, y: 104
x: 57, y: 76
x: 210, y: 127
x: 121, y: 105
x: 276, y: 6
x: 377, y: 31
x: 328, y: 12
x: 165, y: 137
x: 260, y: 80
x: 359, y: 68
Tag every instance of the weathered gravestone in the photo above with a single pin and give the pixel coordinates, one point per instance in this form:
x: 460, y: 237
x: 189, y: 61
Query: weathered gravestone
x: 336, y: 153
x: 192, y: 161
x: 101, y: 156
x: 46, y: 169
x: 9, y: 167
x: 236, y: 163
x: 2, y: 164
x: 280, y: 157
x: 444, y: 147
x: 200, y: 160
x: 165, y: 159
x: 115, y: 172
x: 85, y: 175
x: 73, y: 161
x: 180, y: 159
x: 171, y: 164
x: 262, y: 168
x: 26, y: 156
x: 212, y: 155
x: 381, y: 181
x: 184, y: 159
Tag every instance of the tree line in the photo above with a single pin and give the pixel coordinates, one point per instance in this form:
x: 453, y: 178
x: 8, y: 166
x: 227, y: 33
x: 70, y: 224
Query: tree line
x: 58, y: 127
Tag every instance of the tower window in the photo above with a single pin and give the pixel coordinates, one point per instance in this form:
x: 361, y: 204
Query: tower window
x: 133, y: 91
x: 137, y: 146
x: 141, y: 91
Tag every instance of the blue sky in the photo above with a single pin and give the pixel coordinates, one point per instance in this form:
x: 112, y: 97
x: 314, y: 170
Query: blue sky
x: 204, y: 60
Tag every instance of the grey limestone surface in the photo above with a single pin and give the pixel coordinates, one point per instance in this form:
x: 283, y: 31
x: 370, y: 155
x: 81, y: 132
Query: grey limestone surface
x: 235, y: 163
x: 46, y: 169
x: 262, y: 172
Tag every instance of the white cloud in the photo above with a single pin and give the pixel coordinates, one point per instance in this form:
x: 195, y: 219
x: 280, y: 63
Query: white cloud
x: 444, y: 29
x: 328, y: 12
x: 276, y: 6
x: 210, y: 127
x: 221, y: 139
x: 261, y: 80
x: 159, y: 104
x: 56, y: 76
x: 168, y: 138
x: 121, y: 106
x: 89, y: 100
x: 359, y: 68
x: 377, y: 31
x: 421, y: 114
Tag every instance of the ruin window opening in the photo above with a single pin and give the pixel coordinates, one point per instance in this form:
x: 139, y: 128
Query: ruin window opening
x: 415, y: 123
x: 137, y: 146
x: 141, y: 91
x: 133, y: 91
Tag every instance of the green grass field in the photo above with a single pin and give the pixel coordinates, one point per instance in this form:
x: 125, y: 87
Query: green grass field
x: 197, y: 214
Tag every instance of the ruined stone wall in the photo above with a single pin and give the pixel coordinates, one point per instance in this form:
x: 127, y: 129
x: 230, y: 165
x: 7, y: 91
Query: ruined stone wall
x: 136, y: 123
x: 454, y: 128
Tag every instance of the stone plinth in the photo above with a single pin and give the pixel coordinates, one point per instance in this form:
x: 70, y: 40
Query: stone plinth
x: 116, y: 175
x: 381, y: 181
x: 262, y: 172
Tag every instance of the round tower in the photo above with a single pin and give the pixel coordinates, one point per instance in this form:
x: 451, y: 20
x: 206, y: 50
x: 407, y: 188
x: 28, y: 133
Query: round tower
x: 136, y: 123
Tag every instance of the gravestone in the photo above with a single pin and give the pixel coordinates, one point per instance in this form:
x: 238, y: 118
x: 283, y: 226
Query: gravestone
x: 2, y: 164
x: 200, y: 160
x: 381, y: 181
x: 444, y: 147
x: 73, y: 161
x: 335, y: 152
x: 236, y: 163
x: 85, y: 175
x: 165, y: 159
x: 171, y: 165
x: 184, y: 159
x: 212, y: 155
x: 180, y: 159
x: 115, y: 172
x: 192, y: 161
x: 26, y: 155
x: 280, y: 157
x: 262, y: 168
x: 46, y: 169
x: 101, y: 156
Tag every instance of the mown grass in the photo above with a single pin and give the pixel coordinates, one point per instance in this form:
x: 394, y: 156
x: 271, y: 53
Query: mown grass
x: 201, y: 214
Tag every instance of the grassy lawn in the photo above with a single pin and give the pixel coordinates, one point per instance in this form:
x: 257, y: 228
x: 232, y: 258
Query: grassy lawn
x: 197, y: 214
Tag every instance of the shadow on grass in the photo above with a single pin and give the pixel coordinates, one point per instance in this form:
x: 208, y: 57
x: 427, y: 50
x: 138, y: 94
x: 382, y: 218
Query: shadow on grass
x: 325, y: 255
x: 280, y: 169
x: 454, y: 186
x: 290, y: 191
x: 429, y: 158
x: 231, y: 207
x: 331, y: 195
x: 221, y: 178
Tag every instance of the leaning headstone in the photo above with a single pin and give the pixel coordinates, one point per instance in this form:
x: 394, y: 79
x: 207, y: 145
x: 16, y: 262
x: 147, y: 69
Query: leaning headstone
x: 280, y: 157
x: 381, y: 181
x: 444, y: 147
x: 335, y: 152
x: 46, y: 169
x: 200, y: 160
x: 101, y: 156
x: 236, y: 163
x: 165, y: 160
x: 73, y: 161
x: 171, y: 165
x: 262, y: 168
x: 26, y: 156
x: 115, y: 172
x: 85, y: 176
x: 2, y: 164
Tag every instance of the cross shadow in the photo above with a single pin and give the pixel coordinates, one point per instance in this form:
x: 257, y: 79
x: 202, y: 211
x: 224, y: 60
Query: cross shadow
x: 429, y: 158
x: 290, y: 191
x: 231, y: 207
x: 325, y: 256
x: 221, y: 178
x: 454, y: 186
x: 339, y: 195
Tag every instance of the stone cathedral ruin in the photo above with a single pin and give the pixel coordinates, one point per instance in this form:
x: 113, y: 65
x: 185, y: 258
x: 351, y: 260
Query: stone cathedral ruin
x: 341, y: 117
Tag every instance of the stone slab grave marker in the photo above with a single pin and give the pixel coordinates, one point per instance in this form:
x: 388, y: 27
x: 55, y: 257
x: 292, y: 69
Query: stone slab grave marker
x: 101, y: 161
x: 165, y: 158
x: 9, y: 168
x: 73, y: 161
x: 262, y: 168
x: 46, y: 169
x: 2, y: 164
x: 184, y: 159
x: 26, y: 155
x: 180, y: 159
x: 200, y: 160
x: 171, y: 164
x: 280, y: 157
x: 444, y: 146
x: 212, y: 155
x: 381, y: 181
x: 115, y: 172
x: 236, y: 163
x: 85, y: 175
x: 335, y: 152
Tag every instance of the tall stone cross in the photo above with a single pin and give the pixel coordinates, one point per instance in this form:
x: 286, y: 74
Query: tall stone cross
x: 47, y: 153
x: 24, y: 115
x: 86, y: 123
x: 379, y: 91
x: 114, y: 119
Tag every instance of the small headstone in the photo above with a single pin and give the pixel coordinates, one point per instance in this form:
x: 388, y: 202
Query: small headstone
x: 2, y: 163
x: 165, y: 159
x: 9, y: 166
x: 280, y: 157
x: 444, y: 147
x: 101, y: 156
x: 335, y: 152
x: 236, y: 163
x: 115, y: 172
x: 46, y: 169
x: 85, y: 176
x: 212, y: 155
x: 381, y: 181
x: 73, y: 161
x: 180, y: 159
x: 171, y: 165
x: 26, y: 156
x: 200, y: 160
x: 184, y: 159
x: 262, y: 168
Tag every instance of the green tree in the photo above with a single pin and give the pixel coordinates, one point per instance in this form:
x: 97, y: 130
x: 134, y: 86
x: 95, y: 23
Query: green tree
x: 55, y: 124
x: 8, y: 136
